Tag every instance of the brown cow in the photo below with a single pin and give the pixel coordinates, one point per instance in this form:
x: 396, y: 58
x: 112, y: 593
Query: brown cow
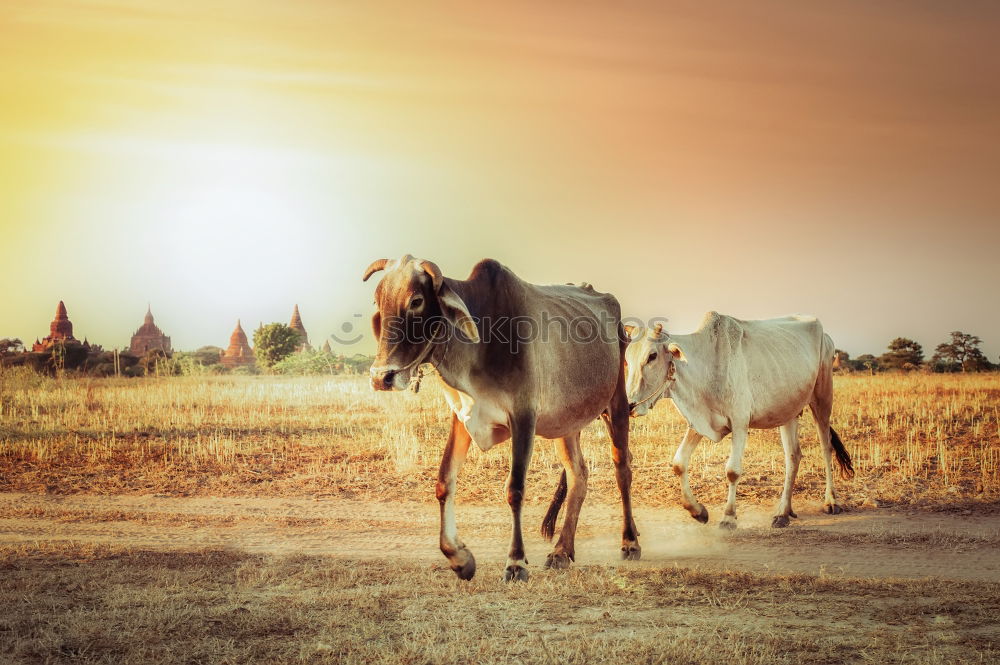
x: 517, y: 360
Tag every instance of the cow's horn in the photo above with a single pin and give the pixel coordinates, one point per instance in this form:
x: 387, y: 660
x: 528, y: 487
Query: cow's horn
x: 431, y: 269
x: 658, y: 329
x: 378, y: 264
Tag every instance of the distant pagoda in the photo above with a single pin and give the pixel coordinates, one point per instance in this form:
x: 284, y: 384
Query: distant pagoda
x: 326, y: 347
x: 149, y: 337
x: 297, y: 326
x: 239, y: 353
x: 60, y: 331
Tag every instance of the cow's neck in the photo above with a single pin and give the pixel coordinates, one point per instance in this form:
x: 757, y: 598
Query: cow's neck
x: 693, y: 380
x: 452, y: 359
x: 456, y: 356
x: 474, y: 367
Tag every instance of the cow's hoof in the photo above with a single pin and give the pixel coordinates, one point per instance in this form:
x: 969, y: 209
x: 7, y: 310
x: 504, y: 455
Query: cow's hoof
x: 631, y: 552
x: 702, y: 516
x: 791, y: 513
x: 728, y: 523
x: 780, y: 521
x: 832, y: 509
x: 558, y: 561
x: 515, y: 573
x: 467, y: 570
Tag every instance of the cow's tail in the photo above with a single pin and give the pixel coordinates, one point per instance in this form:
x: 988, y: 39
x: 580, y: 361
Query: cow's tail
x: 549, y: 523
x: 843, y: 457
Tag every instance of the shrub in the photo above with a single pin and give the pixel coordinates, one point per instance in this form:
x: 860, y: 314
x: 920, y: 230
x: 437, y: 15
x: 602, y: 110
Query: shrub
x: 274, y: 342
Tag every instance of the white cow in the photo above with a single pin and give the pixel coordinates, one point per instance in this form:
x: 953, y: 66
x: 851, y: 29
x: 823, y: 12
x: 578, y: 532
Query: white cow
x: 732, y: 375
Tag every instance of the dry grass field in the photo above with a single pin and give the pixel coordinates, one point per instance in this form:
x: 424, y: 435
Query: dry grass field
x: 917, y: 440
x: 293, y: 520
x: 116, y: 605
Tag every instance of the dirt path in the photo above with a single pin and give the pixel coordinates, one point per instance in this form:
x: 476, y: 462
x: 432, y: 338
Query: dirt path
x: 859, y: 544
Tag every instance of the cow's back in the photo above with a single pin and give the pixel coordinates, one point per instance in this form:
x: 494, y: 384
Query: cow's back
x: 574, y: 354
x: 782, y: 360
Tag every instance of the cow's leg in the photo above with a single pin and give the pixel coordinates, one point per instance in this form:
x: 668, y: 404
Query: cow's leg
x: 734, y: 469
x: 522, y: 432
x: 617, y: 420
x: 576, y: 478
x: 681, y: 460
x: 822, y: 407
x: 616, y: 417
x: 793, y: 455
x: 460, y: 558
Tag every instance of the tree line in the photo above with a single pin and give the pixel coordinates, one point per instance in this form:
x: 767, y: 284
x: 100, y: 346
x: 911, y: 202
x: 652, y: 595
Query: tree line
x: 960, y: 354
x: 275, y: 348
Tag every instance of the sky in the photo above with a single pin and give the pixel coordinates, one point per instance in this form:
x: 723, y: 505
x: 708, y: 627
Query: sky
x: 230, y: 159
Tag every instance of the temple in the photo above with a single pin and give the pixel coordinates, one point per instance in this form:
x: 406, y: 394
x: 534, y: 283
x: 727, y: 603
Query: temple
x: 239, y: 353
x: 60, y: 331
x: 149, y: 337
x: 297, y: 326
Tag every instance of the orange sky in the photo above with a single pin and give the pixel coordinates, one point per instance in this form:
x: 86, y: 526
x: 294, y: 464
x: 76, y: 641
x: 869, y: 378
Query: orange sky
x: 840, y: 159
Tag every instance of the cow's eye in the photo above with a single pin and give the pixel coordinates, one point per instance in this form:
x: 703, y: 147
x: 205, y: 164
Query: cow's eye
x: 416, y: 303
x: 652, y: 357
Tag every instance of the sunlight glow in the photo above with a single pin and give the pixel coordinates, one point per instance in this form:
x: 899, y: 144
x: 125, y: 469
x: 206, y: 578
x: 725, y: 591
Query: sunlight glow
x: 229, y: 159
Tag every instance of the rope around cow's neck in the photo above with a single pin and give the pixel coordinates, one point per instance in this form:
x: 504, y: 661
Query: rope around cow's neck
x: 415, y: 381
x: 659, y: 391
x: 417, y: 361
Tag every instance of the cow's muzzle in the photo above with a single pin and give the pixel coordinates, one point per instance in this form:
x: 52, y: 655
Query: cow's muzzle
x: 637, y: 409
x: 384, y: 379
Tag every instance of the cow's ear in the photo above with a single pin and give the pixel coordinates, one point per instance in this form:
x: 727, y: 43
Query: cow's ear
x: 676, y: 352
x: 454, y: 308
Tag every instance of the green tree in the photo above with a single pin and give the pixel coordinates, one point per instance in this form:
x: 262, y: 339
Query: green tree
x: 274, y: 342
x: 309, y: 362
x: 9, y: 347
x: 153, y: 363
x: 903, y: 353
x: 207, y: 355
x: 962, y: 353
x: 358, y: 363
x: 196, y: 363
x: 867, y: 361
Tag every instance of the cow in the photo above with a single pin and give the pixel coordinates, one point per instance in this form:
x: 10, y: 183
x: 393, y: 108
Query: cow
x: 730, y: 376
x: 503, y: 382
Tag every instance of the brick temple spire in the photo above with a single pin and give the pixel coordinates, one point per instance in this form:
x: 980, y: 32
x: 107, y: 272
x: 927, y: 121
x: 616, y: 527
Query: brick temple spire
x: 61, y: 326
x: 238, y: 353
x: 149, y: 337
x: 296, y: 325
x: 60, y: 330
